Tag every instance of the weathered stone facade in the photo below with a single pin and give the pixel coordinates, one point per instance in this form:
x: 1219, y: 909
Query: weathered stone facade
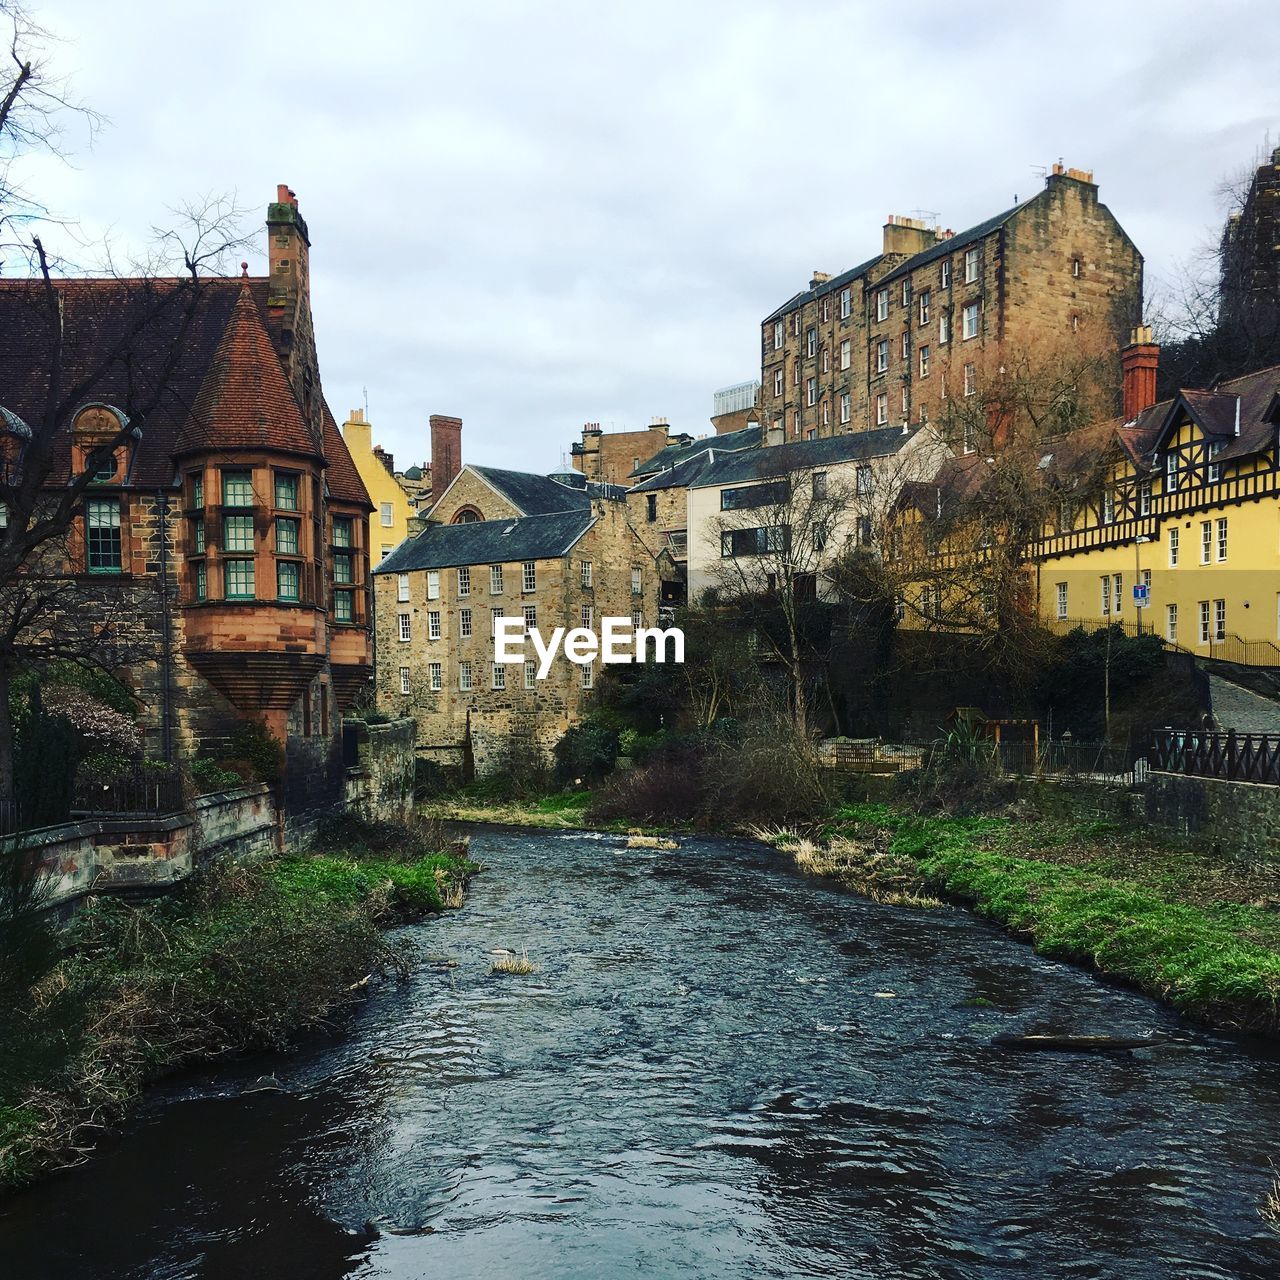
x: 611, y: 456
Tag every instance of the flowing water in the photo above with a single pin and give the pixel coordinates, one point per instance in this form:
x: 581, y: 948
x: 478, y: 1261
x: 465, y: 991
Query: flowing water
x: 719, y: 1069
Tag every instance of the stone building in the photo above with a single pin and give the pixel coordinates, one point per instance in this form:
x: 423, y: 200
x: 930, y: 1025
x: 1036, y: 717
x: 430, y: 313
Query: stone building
x: 550, y: 550
x: 225, y: 510
x: 1249, y: 284
x: 393, y: 506
x: 892, y: 339
x: 610, y: 457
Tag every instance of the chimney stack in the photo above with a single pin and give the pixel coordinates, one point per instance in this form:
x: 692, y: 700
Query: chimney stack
x: 1139, y: 362
x: 446, y: 453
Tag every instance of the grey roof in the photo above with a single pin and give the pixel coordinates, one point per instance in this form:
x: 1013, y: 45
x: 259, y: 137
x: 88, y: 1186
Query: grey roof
x: 778, y: 460
x: 674, y: 454
x: 827, y: 286
x: 413, y: 473
x: 960, y: 240
x: 681, y: 476
x: 536, y: 495
x: 443, y: 546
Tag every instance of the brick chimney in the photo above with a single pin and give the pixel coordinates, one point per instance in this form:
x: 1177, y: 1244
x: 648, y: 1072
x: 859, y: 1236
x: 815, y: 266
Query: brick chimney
x: 1139, y: 362
x: 446, y: 453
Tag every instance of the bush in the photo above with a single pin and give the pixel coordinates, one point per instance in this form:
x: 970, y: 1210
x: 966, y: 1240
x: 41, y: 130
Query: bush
x: 209, y: 775
x: 586, y: 753
x: 254, y: 743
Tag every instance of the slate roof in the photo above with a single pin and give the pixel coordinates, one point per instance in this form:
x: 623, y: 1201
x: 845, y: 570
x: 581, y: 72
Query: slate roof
x: 674, y: 454
x: 961, y: 240
x: 778, y: 460
x: 534, y: 494
x: 444, y: 546
x: 827, y: 286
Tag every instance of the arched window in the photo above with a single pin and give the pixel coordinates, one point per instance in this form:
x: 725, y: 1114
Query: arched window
x: 467, y: 515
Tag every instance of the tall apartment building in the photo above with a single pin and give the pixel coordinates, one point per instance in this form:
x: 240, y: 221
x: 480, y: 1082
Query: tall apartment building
x: 889, y: 341
x: 609, y: 457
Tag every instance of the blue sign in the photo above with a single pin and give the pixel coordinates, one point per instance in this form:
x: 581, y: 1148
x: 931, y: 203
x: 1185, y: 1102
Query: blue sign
x: 1141, y: 596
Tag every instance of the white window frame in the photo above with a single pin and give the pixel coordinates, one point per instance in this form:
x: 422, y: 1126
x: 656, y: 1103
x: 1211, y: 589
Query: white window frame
x: 1171, y: 623
x: 1203, y: 606
x: 585, y: 572
x: 433, y: 584
x: 777, y: 384
x: 1175, y: 541
x: 405, y: 628
x: 845, y: 352
x: 923, y: 356
x: 882, y: 408
x: 811, y: 343
x: 970, y: 321
x: 464, y: 675
x: 1219, y: 619
x: 944, y: 329
x: 1220, y: 540
x: 811, y: 391
x: 779, y: 335
x: 433, y: 624
x: 404, y: 680
x: 1106, y: 595
x: 530, y: 674
x: 465, y: 623
x: 882, y: 355
x: 845, y: 303
x: 922, y: 304
x: 637, y: 580
x: 970, y: 379
x: 402, y: 588
x: 882, y: 304
x: 464, y: 580
x: 435, y: 676
x: 845, y: 407
x: 498, y: 675
x: 495, y: 579
x: 1206, y: 541
x: 1062, y: 601
x: 971, y: 265
x: 387, y: 514
x: 946, y: 273
x: 530, y: 614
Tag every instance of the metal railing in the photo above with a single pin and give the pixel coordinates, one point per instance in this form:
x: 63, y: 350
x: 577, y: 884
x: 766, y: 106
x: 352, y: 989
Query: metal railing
x: 1231, y: 757
x: 1063, y: 757
x: 142, y: 791
x: 1245, y: 653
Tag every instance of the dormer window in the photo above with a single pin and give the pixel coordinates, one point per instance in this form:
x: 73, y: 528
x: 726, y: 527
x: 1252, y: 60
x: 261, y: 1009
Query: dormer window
x: 103, y: 464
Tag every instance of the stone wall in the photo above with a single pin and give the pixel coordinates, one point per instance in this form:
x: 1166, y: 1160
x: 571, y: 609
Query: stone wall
x: 380, y: 787
x: 1236, y: 819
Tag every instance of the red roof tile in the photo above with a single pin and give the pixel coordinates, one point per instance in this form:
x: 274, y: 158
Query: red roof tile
x: 341, y: 475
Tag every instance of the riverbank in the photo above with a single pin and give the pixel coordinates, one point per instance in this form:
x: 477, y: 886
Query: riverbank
x: 247, y: 956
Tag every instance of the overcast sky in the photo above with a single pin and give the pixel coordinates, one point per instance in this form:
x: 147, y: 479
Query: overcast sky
x: 534, y: 215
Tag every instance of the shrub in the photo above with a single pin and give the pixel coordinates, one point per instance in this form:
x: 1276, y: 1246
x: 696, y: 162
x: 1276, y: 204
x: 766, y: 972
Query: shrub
x: 209, y: 775
x: 254, y: 743
x: 665, y: 791
x: 586, y: 752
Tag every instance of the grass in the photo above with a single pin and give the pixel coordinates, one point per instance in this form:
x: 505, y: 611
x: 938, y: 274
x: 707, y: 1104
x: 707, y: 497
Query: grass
x: 246, y: 956
x: 510, y: 963
x: 1269, y: 1209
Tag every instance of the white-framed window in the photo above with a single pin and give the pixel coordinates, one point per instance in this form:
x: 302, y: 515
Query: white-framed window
x: 464, y: 623
x: 1174, y: 538
x: 795, y: 323
x: 584, y: 572
x: 498, y: 675
x: 1144, y: 498
x: 435, y: 676
x: 494, y: 615
x: 882, y: 304
x: 945, y: 275
x: 1172, y: 463
x: 585, y: 616
x: 402, y: 588
x: 811, y: 391
x: 844, y: 354
x: 433, y: 584
x: 1076, y: 267
x: 464, y: 675
x: 433, y: 624
x: 530, y: 617
x: 906, y: 398
x: 1171, y: 622
x: 495, y: 579
x: 970, y: 379
x: 388, y: 514
x: 811, y: 343
x: 882, y: 355
x: 1106, y: 595
x: 844, y: 407
x: 637, y: 618
x: 777, y: 384
x: 968, y: 436
x: 882, y: 409
x: 971, y: 265
x: 944, y: 329
x: 826, y: 413
x: 1108, y: 507
x: 1219, y: 619
x: 387, y: 549
x: 777, y: 335
x: 844, y: 304
x: 906, y: 291
x: 862, y: 480
x: 922, y: 305
x: 530, y: 674
x: 826, y: 310
x: 405, y: 621
x: 1204, y: 621
x: 1221, y: 538
x: 905, y: 340
x: 969, y: 327
x: 1206, y: 541
x: 795, y: 423
x: 1215, y: 468
x: 588, y: 676
x: 1062, y: 599
x: 404, y: 679
x: 924, y: 361
x: 464, y: 580
x: 826, y: 359
x: 637, y: 580
x: 795, y: 374
x: 1118, y: 580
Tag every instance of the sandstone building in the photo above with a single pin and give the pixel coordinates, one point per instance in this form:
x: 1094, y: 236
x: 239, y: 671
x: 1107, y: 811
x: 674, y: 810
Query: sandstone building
x: 611, y: 456
x: 891, y: 340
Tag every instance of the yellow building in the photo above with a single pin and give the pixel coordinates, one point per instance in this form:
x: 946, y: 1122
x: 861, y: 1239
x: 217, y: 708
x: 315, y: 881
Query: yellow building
x: 389, y: 523
x: 1189, y: 508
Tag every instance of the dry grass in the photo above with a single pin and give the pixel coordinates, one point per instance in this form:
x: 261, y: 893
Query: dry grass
x: 1269, y: 1209
x: 637, y: 841
x: 511, y: 963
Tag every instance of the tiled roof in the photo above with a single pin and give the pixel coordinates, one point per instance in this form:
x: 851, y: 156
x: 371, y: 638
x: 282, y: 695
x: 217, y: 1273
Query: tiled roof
x: 778, y: 460
x: 674, y: 454
x: 340, y: 472
x: 443, y: 546
x: 245, y: 401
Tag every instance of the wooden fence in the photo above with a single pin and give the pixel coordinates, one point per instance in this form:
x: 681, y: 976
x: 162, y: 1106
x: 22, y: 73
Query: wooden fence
x: 1232, y: 757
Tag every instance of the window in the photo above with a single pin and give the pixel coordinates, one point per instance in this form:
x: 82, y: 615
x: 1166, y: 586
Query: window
x: 286, y: 536
x: 811, y: 391
x: 341, y: 531
x: 530, y: 617
x: 588, y: 674
x: 585, y: 616
x: 862, y: 480
x: 777, y: 335
x: 1171, y: 464
x: 1119, y: 592
x: 102, y: 523
x: 754, y: 542
x: 433, y: 624
x: 637, y: 618
x: 406, y: 628
x: 945, y: 277
x: 777, y: 384
x: 811, y: 343
x: 1215, y: 468
x: 906, y: 344
x: 286, y: 491
x: 584, y: 571
x: 435, y: 676
x: 1062, y: 599
x: 404, y: 679
x: 1206, y: 541
x: 433, y: 584
x: 343, y: 606
x: 1171, y: 622
x: 882, y: 304
x: 464, y: 676
x: 795, y: 373
x: 495, y: 579
x: 1106, y: 595
x: 237, y: 533
x: 530, y: 674
x: 498, y: 675
x: 1108, y: 507
x: 1144, y: 498
x: 1075, y: 267
x: 197, y: 535
x: 968, y: 436
x: 882, y: 355
x: 970, y: 265
x: 844, y: 354
x: 970, y: 379
x: 494, y: 615
x: 288, y: 576
x: 342, y: 567
x: 944, y: 329
x: 924, y: 361
x: 819, y: 485
x: 651, y: 505
x: 922, y: 305
x: 464, y: 623
x: 202, y: 582
x: 402, y: 588
x: 795, y: 323
x: 529, y: 577
x: 1204, y: 621
x: 882, y: 409
x: 239, y: 579
x: 864, y: 531
x: 844, y: 304
x: 637, y: 580
x: 969, y: 328
x: 826, y: 413
x: 844, y: 407
x: 197, y: 490
x: 1173, y: 547
x: 464, y: 580
x: 1222, y: 539
x: 826, y: 359
x: 387, y: 513
x: 749, y: 496
x: 1219, y: 619
x: 237, y: 488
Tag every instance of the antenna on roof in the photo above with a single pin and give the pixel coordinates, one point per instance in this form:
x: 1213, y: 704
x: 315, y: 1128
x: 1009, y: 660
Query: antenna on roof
x: 365, y: 390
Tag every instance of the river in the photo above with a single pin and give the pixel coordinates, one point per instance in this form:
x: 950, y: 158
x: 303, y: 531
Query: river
x: 719, y: 1069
